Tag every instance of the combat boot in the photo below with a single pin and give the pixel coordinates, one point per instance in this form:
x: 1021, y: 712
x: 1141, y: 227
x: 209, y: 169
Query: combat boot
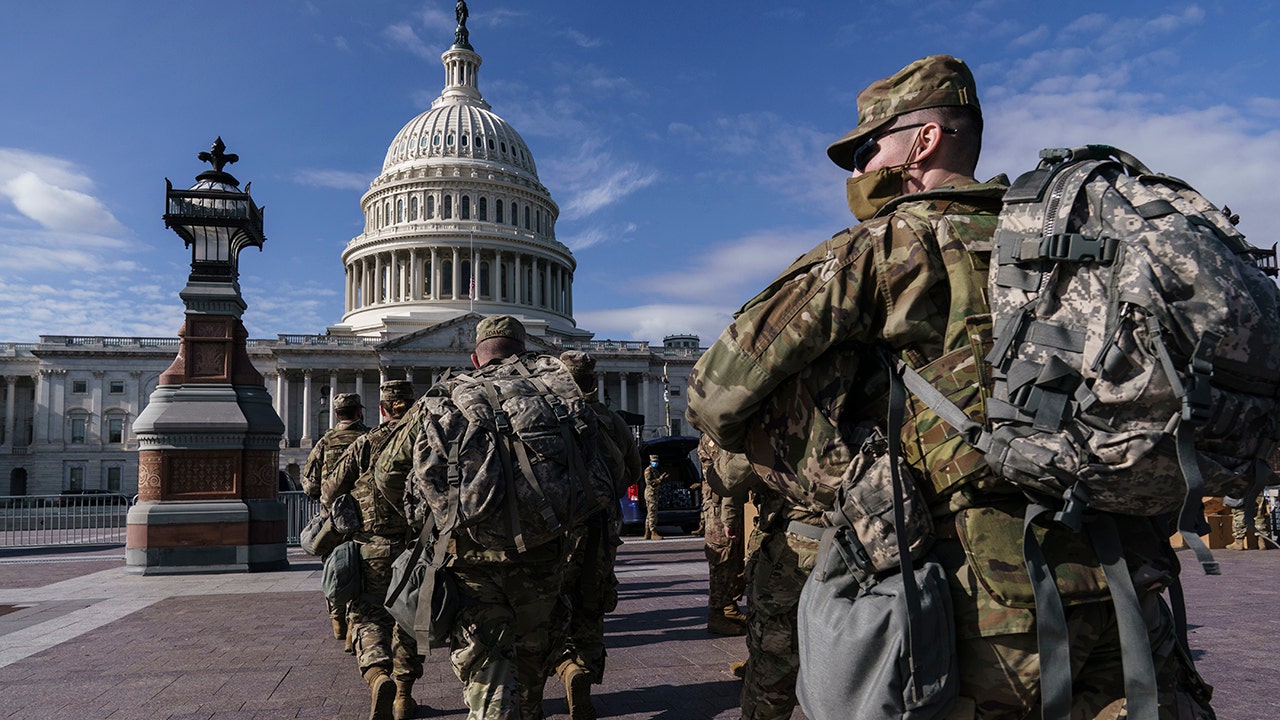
x: 719, y: 624
x: 382, y: 693
x: 732, y: 612
x: 339, y: 627
x: 577, y: 690
x: 738, y: 668
x: 1238, y: 545
x: 652, y: 535
x: 405, y: 706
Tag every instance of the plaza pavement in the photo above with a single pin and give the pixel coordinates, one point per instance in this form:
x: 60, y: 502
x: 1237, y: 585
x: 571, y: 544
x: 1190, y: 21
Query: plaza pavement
x: 82, y: 639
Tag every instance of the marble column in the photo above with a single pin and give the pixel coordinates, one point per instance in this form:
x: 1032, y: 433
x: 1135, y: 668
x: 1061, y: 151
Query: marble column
x: 622, y: 391
x: 11, y: 387
x: 333, y: 395
x: 307, y: 437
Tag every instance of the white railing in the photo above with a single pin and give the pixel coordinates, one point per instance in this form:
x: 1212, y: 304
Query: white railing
x: 51, y: 520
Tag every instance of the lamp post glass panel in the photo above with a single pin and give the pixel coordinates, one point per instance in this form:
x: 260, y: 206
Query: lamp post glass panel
x: 214, y: 218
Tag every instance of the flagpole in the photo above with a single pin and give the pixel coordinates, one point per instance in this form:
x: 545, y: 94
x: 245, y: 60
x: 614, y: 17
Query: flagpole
x: 472, y: 291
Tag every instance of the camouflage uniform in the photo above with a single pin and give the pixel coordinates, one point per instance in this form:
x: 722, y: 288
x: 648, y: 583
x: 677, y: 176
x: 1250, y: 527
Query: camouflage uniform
x: 723, y: 537
x: 504, y: 640
x: 591, y: 586
x: 383, y: 536
x: 653, y: 477
x: 906, y: 279
x: 779, y: 564
x: 323, y: 458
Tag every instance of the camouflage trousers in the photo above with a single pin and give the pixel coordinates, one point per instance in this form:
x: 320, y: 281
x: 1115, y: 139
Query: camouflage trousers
x: 505, y: 637
x: 1262, y: 521
x: 775, y: 573
x: 651, y: 505
x: 1000, y: 664
x: 726, y: 555
x: 590, y: 591
x: 378, y: 640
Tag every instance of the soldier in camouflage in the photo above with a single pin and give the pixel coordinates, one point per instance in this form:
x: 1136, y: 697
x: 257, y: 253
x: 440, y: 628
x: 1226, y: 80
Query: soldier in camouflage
x: 725, y: 548
x: 505, y: 640
x: 655, y: 473
x: 591, y: 586
x: 322, y: 459
x: 906, y: 279
x: 387, y: 654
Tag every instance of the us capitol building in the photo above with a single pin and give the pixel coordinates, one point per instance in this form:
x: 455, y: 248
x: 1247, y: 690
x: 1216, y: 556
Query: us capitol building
x: 457, y: 227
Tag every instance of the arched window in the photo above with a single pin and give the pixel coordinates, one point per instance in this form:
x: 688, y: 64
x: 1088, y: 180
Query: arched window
x: 464, y: 141
x: 538, y: 215
x: 436, y: 140
x: 413, y: 208
x: 465, y: 213
x: 502, y: 277
x: 483, y: 281
x: 426, y: 279
x: 449, y: 140
x: 431, y: 207
x: 446, y: 278
x: 484, y: 209
x: 515, y: 217
x: 464, y: 279
x: 399, y: 210
x: 387, y: 210
x: 447, y: 211
x: 527, y: 224
x: 528, y: 286
x: 497, y: 211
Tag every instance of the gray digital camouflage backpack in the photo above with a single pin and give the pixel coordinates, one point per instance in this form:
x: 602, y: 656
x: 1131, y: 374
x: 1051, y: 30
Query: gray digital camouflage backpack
x: 1134, y: 368
x: 1136, y: 363
x: 516, y: 443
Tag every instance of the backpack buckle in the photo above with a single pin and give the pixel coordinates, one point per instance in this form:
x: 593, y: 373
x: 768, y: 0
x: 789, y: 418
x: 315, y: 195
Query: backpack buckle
x: 501, y: 421
x: 1197, y: 404
x: 1075, y: 500
x: 1075, y: 247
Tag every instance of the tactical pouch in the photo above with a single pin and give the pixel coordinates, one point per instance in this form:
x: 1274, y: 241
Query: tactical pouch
x: 345, y: 513
x: 864, y: 503
x: 992, y: 541
x: 929, y: 442
x: 319, y: 537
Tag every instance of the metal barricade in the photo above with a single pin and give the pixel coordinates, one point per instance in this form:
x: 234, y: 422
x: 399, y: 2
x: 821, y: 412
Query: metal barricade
x: 52, y: 520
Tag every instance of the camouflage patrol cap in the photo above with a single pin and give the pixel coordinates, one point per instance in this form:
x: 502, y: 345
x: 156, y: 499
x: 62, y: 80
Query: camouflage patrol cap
x: 346, y: 400
x: 582, y: 365
x: 934, y: 81
x: 396, y: 390
x: 495, y: 326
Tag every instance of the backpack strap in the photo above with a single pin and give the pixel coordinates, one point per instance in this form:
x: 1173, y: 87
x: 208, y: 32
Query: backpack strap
x: 508, y: 445
x: 910, y: 590
x: 1141, y: 699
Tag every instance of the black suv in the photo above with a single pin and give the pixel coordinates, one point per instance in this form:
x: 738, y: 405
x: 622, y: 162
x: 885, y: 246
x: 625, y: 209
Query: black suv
x: 75, y: 498
x: 680, y: 497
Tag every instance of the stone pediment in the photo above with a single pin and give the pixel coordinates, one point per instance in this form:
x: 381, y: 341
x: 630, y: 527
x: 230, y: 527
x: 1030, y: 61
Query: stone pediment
x: 454, y: 335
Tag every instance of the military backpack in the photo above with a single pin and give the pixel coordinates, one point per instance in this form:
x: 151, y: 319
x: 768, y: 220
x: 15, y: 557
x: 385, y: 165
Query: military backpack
x: 516, y: 443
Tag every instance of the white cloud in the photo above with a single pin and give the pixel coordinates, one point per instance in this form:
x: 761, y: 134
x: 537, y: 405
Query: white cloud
x: 333, y: 179
x: 405, y: 37
x: 728, y: 274
x: 618, y: 183
x: 653, y: 322
x: 54, y: 193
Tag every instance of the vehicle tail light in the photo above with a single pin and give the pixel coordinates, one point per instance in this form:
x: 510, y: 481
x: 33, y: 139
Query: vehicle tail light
x: 633, y: 493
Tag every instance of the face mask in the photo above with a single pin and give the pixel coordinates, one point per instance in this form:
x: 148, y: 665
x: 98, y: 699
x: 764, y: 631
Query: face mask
x: 869, y: 192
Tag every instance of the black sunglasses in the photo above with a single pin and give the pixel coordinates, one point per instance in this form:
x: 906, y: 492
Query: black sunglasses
x: 870, y: 146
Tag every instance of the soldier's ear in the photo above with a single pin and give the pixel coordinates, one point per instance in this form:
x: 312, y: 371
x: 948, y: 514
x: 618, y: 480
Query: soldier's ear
x: 475, y: 361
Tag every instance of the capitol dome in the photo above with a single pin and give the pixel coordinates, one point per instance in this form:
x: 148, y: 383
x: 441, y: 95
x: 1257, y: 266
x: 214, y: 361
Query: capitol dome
x: 458, y: 222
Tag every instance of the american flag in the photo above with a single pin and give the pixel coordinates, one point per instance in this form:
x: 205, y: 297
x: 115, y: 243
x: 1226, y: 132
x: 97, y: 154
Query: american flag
x: 471, y: 291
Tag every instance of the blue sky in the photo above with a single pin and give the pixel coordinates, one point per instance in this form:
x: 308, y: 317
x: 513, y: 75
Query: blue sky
x: 684, y: 142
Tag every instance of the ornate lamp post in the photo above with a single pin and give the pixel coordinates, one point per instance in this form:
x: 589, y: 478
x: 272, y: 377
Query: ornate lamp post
x: 209, y: 438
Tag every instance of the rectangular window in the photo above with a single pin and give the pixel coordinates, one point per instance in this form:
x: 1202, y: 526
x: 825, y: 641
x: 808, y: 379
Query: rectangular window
x: 79, y: 387
x: 673, y: 391
x: 115, y: 430
x: 114, y: 474
x: 117, y: 387
x: 75, y: 478
x: 77, y: 430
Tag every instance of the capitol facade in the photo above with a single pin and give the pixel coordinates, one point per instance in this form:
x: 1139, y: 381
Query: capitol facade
x: 457, y: 227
